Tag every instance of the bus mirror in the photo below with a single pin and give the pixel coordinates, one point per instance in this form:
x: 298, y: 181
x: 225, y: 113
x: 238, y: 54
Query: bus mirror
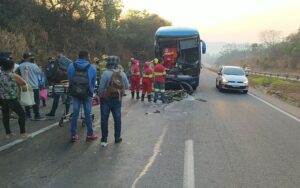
x: 203, y: 47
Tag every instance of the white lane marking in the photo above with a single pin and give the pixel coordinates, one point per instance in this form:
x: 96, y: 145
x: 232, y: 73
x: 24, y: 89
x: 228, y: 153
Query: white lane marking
x: 156, y: 150
x: 275, y: 107
x: 31, y: 135
x: 189, y: 175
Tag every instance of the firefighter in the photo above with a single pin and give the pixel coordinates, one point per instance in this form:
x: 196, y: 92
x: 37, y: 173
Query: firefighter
x: 153, y: 63
x: 159, y: 81
x: 147, y: 81
x: 169, y: 56
x: 135, y: 79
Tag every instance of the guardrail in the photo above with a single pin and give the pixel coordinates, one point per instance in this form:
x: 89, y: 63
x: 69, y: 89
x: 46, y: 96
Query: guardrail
x: 275, y: 75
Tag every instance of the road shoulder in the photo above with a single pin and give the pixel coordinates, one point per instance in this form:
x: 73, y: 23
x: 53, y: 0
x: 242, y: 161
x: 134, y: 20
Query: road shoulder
x: 277, y: 102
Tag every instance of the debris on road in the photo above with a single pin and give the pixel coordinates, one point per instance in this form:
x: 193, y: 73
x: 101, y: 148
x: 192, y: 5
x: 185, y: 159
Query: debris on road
x: 175, y: 95
x: 201, y: 100
x: 155, y: 112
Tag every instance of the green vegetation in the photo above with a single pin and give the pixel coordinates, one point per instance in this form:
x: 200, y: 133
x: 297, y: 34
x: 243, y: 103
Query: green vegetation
x: 272, y: 54
x: 260, y: 81
x: 44, y: 26
x: 284, y: 89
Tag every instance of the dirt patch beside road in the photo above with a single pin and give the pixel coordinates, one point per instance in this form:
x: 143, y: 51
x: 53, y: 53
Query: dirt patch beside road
x: 286, y: 90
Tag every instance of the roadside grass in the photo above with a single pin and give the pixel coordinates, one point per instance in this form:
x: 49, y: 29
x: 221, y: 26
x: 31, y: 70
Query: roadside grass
x: 284, y: 89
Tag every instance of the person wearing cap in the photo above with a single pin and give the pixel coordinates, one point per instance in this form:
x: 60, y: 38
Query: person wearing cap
x: 8, y: 96
x: 82, y: 64
x: 30, y: 72
x: 108, y: 103
x: 8, y: 54
x: 50, y: 73
x: 50, y: 68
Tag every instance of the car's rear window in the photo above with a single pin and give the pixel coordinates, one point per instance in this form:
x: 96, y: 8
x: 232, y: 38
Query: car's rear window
x: 233, y: 71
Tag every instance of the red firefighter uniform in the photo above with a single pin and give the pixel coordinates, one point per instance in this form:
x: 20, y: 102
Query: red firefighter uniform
x: 159, y: 73
x: 147, y: 81
x: 159, y: 81
x: 135, y: 79
x: 169, y: 55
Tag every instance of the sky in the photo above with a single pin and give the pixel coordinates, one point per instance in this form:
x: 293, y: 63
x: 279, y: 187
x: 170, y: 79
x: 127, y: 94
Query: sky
x: 234, y: 21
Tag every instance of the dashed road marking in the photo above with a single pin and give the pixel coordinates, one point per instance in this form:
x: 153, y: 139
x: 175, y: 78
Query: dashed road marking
x: 189, y: 174
x: 156, y: 151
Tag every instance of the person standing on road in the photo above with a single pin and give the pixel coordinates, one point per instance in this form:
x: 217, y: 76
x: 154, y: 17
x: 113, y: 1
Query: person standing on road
x: 96, y: 62
x: 60, y: 61
x: 8, y: 95
x: 147, y: 81
x: 159, y: 81
x: 42, y: 87
x: 30, y: 72
x: 82, y: 78
x: 112, y: 86
x: 135, y: 79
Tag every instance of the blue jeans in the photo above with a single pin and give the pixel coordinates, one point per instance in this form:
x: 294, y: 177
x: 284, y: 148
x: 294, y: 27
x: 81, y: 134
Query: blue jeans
x: 87, y: 107
x: 113, y: 105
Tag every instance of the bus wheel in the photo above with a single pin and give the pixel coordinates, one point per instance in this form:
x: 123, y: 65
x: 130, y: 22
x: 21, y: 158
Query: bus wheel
x: 187, y: 87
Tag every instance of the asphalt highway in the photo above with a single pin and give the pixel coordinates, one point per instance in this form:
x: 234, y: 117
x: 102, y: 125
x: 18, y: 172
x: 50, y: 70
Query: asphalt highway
x: 212, y: 140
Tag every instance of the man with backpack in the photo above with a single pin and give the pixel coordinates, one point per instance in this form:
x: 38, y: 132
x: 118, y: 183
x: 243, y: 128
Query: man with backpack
x: 112, y: 86
x: 56, y: 71
x: 82, y: 78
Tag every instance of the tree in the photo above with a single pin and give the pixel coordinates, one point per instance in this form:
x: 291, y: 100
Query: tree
x: 138, y: 29
x: 270, y: 37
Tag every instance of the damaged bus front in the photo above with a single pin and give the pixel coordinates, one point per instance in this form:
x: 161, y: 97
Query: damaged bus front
x: 180, y: 49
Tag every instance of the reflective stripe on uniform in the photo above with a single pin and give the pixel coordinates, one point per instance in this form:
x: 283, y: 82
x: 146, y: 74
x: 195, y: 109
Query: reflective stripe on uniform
x: 147, y: 76
x: 160, y: 73
x: 159, y: 90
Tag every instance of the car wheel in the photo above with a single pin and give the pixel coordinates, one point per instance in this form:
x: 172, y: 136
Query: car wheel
x: 217, y: 85
x: 220, y: 87
x: 245, y: 91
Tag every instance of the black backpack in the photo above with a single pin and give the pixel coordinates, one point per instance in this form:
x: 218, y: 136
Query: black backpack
x: 58, y: 72
x: 79, y: 87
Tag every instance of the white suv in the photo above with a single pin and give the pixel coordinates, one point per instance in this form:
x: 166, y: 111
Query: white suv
x: 232, y: 78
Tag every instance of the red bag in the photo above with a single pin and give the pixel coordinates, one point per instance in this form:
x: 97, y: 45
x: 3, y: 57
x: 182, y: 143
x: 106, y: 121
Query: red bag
x: 95, y: 101
x: 43, y: 94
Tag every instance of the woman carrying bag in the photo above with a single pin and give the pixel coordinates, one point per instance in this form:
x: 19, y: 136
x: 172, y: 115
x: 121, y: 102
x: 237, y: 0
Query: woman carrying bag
x: 9, y: 95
